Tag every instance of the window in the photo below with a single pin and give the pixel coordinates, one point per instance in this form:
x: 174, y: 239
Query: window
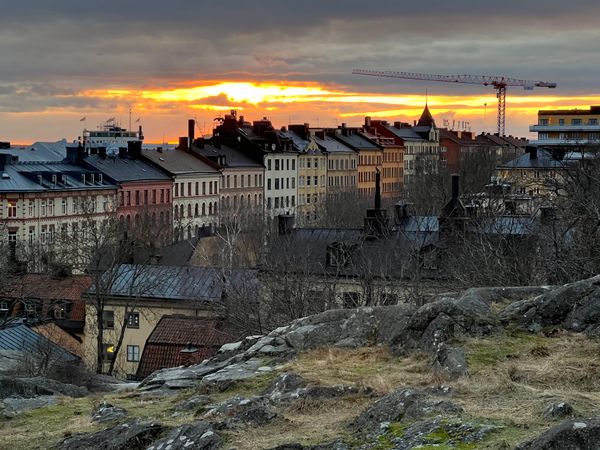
x: 133, y: 320
x: 593, y: 122
x: 133, y: 353
x: 108, y: 352
x: 575, y: 121
x: 308, y: 163
x: 277, y: 164
x: 316, y: 179
x: 3, y: 307
x: 12, y: 209
x: 287, y: 162
x: 276, y: 183
x: 108, y: 318
x: 31, y: 211
x: 268, y: 184
x: 293, y: 183
x: 235, y: 181
x: 197, y: 188
x: 561, y: 121
x: 293, y: 164
x: 268, y: 166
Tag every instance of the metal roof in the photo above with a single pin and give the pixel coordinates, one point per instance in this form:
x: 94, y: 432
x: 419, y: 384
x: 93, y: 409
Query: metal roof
x: 544, y: 160
x: 17, y: 336
x: 170, y: 282
x: 357, y: 141
x: 404, y: 133
x: 39, y: 151
x: 178, y: 162
x: 125, y: 169
x: 23, y: 177
x: 332, y: 145
x: 233, y: 157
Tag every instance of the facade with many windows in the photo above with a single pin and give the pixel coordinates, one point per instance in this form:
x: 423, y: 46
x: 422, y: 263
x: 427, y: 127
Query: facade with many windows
x: 44, y: 202
x: 568, y: 127
x: 195, y: 190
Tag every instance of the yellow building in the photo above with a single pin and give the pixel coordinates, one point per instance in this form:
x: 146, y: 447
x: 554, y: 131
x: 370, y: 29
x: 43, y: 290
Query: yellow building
x: 312, y: 173
x: 134, y: 300
x: 567, y: 127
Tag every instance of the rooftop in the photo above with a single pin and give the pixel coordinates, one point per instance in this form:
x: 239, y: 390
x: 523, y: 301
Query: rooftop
x: 178, y: 162
x: 125, y: 169
x: 172, y: 334
x: 233, y: 157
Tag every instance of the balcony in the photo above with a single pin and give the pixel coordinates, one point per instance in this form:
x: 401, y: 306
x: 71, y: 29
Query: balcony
x: 569, y: 142
x: 564, y: 128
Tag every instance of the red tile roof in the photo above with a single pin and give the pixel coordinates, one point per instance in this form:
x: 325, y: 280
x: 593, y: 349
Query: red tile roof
x: 44, y: 287
x: 173, y: 334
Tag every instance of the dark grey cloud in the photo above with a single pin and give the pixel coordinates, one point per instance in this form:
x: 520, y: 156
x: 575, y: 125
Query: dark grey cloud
x: 74, y: 45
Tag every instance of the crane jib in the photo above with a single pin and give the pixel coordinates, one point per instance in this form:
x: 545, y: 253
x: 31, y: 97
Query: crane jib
x: 498, y: 83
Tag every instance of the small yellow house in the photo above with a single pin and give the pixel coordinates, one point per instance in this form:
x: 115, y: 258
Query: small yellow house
x: 133, y: 299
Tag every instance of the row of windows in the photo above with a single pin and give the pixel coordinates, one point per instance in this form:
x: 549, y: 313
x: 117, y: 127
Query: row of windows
x: 342, y: 164
x: 308, y: 163
x: 208, y: 187
x: 342, y: 181
x: 233, y: 201
x: 46, y: 208
x: 281, y: 183
x: 281, y: 164
x: 311, y: 181
x: 144, y: 197
x: 310, y: 198
x: 281, y: 202
x: 247, y: 183
x: 591, y: 121
x: 369, y: 160
x: 195, y: 211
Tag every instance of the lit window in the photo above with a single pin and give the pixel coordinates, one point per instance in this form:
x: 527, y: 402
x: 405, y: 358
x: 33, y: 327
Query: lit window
x: 133, y: 320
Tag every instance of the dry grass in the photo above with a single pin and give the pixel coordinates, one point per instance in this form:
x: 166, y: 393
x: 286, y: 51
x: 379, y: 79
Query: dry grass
x: 373, y: 367
x: 308, y: 424
x: 512, y: 378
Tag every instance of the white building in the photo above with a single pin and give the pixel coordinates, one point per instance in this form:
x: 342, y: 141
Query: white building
x: 195, y: 190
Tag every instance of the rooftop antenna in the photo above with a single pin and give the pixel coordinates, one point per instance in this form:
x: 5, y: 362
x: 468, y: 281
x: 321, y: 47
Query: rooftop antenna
x: 129, y: 118
x: 426, y: 97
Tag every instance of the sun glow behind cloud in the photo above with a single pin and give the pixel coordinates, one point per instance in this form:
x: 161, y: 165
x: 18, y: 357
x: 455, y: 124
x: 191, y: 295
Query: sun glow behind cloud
x: 164, y: 109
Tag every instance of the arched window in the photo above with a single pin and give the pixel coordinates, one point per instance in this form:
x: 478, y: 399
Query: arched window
x: 196, y: 210
x: 210, y: 209
x: 234, y: 201
x: 255, y: 200
x: 181, y: 211
x: 176, y: 213
x: 241, y: 201
x: 203, y: 209
x: 189, y: 210
x: 162, y: 218
x: 215, y: 208
x: 189, y: 231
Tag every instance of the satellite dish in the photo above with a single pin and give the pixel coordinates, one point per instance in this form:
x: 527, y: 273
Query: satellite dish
x: 112, y: 151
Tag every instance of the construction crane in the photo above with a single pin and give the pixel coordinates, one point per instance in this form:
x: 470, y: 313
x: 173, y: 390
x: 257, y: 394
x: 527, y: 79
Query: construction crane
x: 498, y: 83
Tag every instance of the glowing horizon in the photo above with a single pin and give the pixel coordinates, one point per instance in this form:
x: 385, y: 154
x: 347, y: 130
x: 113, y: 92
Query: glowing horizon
x: 306, y: 101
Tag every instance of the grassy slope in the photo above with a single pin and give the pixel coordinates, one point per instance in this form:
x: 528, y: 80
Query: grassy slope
x: 512, y: 378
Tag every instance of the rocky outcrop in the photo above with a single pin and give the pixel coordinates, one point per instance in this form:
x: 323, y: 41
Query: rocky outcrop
x: 573, y: 307
x: 33, y: 387
x: 199, y: 436
x: 13, y: 406
x: 558, y: 410
x: 578, y: 434
x: 105, y: 412
x: 402, y: 405
x: 237, y: 411
x: 126, y: 436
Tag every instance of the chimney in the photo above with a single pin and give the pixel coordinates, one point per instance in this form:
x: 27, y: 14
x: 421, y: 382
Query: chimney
x: 191, y: 132
x: 401, y: 210
x: 183, y: 143
x: 134, y: 149
x: 285, y: 223
x: 377, y: 190
x: 102, y: 152
x: 376, y: 220
x: 397, y: 125
x: 75, y: 154
x: 122, y: 152
x: 455, y: 187
x: 532, y: 150
x: 140, y: 134
x: 368, y: 122
x: 187, y: 355
x: 4, y: 161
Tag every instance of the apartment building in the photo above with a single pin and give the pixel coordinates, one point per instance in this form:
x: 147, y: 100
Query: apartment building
x: 145, y: 192
x: 41, y: 201
x: 312, y: 173
x: 370, y: 157
x: 196, y: 185
x: 567, y: 128
x: 342, y: 162
x: 242, y: 178
x: 137, y: 300
x: 392, y: 170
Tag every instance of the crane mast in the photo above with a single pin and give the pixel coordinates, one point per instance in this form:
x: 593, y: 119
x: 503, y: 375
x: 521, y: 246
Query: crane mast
x: 499, y: 83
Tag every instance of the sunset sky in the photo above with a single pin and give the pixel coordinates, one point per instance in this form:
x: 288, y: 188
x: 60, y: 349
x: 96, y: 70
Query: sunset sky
x: 63, y: 60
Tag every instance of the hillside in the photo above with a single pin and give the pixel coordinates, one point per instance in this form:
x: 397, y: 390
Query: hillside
x: 495, y: 368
